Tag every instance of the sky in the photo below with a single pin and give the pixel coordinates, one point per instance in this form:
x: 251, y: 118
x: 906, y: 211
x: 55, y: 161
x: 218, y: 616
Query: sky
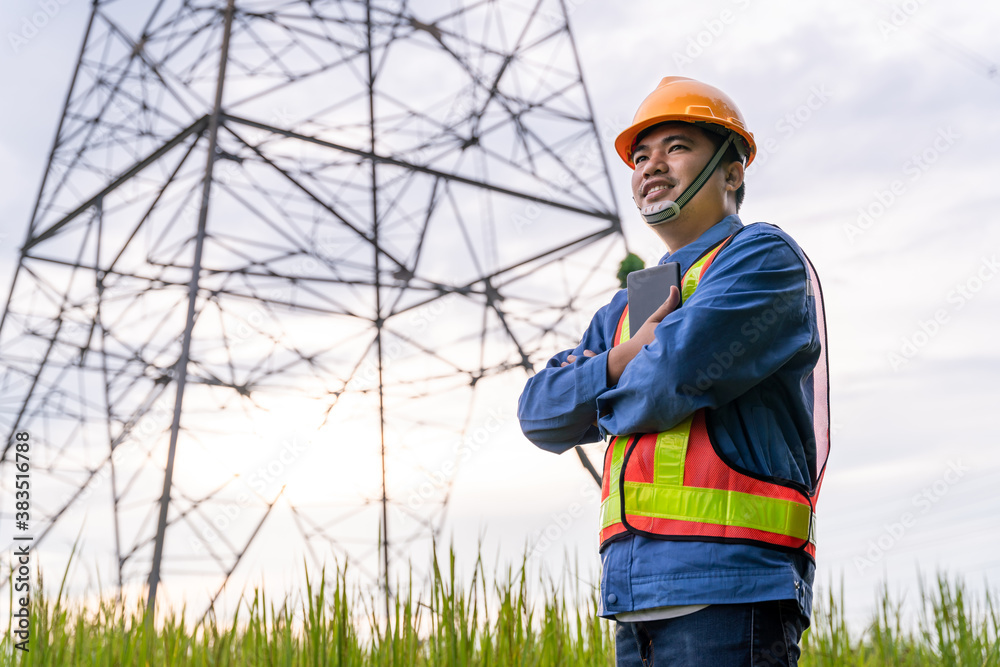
x: 877, y: 126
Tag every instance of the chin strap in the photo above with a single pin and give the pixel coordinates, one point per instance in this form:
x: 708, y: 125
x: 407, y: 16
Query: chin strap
x: 663, y: 211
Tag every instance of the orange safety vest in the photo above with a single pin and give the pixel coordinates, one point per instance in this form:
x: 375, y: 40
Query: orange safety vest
x: 674, y: 484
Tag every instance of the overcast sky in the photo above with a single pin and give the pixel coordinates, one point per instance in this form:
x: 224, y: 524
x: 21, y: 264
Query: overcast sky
x: 877, y: 127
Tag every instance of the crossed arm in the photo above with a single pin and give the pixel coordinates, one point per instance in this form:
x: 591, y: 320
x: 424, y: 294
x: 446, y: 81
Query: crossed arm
x: 748, y: 317
x: 620, y: 355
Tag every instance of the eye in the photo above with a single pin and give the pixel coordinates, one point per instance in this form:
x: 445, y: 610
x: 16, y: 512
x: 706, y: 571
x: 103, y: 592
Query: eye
x: 639, y: 158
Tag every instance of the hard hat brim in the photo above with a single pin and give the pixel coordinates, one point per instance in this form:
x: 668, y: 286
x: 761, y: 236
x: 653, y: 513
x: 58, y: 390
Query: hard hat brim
x: 626, y: 140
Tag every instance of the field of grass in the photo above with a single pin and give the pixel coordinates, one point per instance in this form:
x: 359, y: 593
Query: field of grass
x: 476, y: 624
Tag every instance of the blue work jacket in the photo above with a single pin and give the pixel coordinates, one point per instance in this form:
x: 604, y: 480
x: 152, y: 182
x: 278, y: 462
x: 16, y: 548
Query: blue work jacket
x: 742, y: 346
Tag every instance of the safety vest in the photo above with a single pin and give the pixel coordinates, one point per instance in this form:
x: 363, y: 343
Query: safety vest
x: 674, y: 485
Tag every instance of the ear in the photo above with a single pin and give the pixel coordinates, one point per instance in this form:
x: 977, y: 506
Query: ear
x: 734, y: 172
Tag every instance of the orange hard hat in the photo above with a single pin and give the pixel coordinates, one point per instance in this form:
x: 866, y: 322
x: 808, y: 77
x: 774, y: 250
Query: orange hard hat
x: 679, y: 98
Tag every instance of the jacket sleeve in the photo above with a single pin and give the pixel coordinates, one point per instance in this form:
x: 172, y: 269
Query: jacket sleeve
x: 558, y: 406
x: 747, y: 318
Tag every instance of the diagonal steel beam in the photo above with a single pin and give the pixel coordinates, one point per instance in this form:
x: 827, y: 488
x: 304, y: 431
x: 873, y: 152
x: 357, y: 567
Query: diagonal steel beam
x: 181, y: 372
x: 197, y: 127
x: 382, y: 159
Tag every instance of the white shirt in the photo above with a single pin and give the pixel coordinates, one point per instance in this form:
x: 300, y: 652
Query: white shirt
x: 658, y: 613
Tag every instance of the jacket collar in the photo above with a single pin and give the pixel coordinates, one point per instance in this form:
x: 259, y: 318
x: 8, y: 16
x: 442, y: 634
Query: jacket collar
x: 687, y: 255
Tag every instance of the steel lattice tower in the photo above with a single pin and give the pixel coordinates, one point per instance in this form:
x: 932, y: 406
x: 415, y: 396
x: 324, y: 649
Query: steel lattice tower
x: 279, y: 251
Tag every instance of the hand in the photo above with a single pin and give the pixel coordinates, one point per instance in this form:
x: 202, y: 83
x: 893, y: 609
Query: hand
x: 571, y: 358
x: 645, y: 335
x: 621, y: 355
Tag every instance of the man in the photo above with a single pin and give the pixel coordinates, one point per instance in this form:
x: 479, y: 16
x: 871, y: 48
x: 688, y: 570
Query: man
x: 716, y: 408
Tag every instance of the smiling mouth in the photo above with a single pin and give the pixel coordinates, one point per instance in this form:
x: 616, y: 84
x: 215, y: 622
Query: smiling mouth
x: 656, y: 188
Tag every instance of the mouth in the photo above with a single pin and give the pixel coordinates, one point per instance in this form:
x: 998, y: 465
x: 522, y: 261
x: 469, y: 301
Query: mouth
x: 650, y: 191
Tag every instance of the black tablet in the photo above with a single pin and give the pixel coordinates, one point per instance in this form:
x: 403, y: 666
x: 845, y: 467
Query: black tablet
x: 648, y: 289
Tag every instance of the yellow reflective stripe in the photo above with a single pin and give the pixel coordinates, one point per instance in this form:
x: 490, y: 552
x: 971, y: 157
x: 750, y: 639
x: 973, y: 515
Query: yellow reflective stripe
x: 611, y: 506
x: 718, y: 506
x: 626, y: 334
x: 610, y: 511
x: 792, y: 518
x: 671, y: 450
x: 691, y: 278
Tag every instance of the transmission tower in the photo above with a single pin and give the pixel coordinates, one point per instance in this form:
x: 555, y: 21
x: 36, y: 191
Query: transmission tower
x: 280, y: 251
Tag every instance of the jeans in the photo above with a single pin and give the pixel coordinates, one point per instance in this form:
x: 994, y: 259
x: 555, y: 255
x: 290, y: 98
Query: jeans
x: 755, y: 634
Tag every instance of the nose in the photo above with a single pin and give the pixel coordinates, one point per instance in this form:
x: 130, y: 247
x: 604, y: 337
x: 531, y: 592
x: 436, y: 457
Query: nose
x: 654, y: 164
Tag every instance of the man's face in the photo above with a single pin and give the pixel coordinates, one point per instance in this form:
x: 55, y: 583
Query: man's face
x: 667, y: 159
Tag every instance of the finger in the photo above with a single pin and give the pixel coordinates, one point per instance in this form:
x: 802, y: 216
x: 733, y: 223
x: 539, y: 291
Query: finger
x: 674, y: 299
x: 589, y: 353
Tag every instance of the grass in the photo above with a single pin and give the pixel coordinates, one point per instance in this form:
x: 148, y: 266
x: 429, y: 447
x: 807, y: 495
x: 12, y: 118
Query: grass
x: 950, y: 630
x: 475, y: 624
